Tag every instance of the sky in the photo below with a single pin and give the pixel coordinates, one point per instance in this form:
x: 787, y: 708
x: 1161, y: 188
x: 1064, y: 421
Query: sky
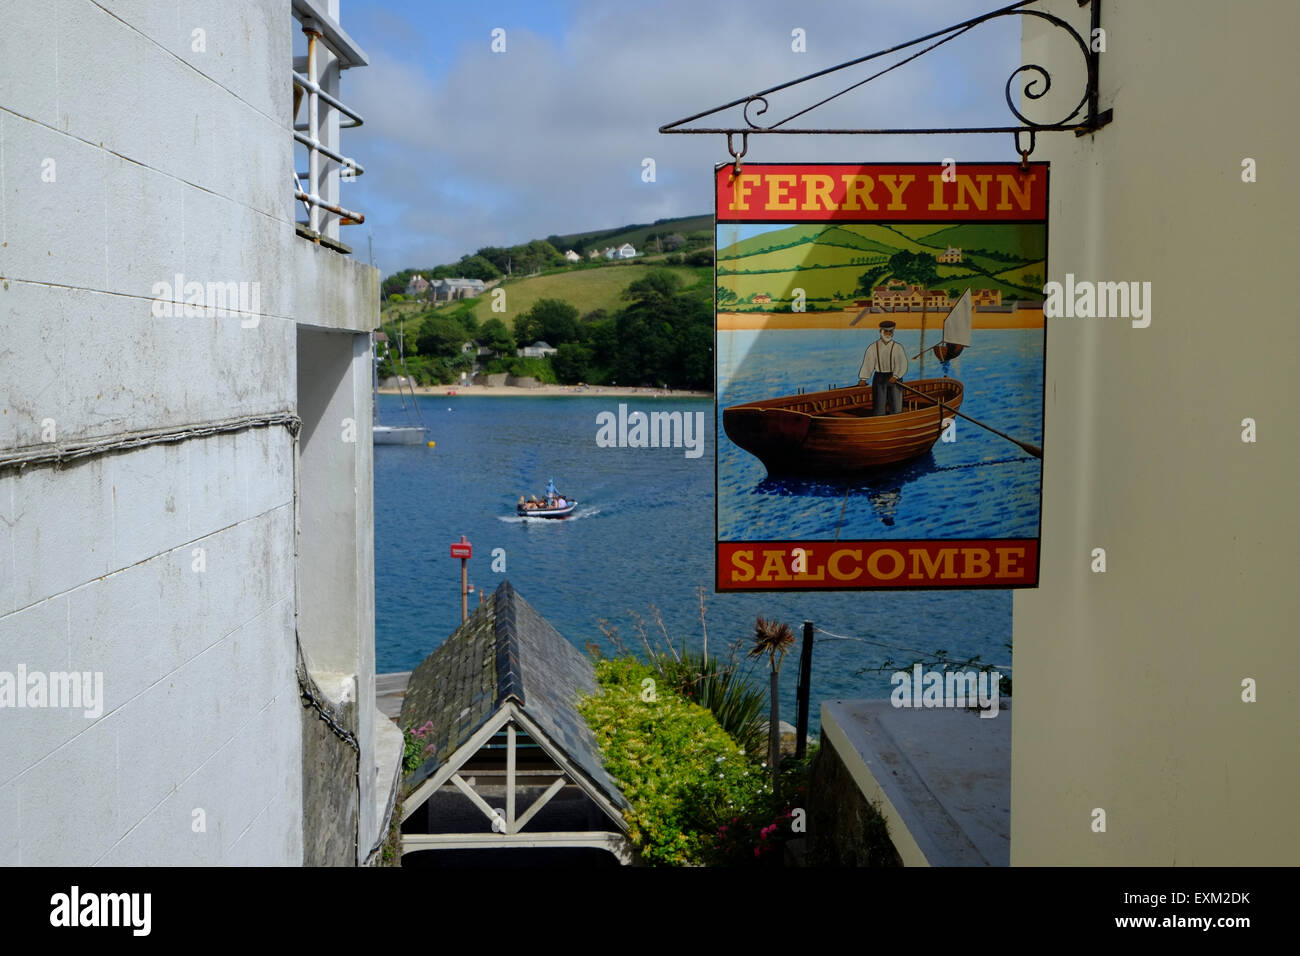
x: 464, y: 147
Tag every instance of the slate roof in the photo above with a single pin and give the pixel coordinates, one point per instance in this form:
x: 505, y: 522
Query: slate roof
x: 505, y: 651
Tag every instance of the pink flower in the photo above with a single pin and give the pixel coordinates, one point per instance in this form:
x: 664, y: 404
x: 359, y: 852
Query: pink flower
x: 757, y: 851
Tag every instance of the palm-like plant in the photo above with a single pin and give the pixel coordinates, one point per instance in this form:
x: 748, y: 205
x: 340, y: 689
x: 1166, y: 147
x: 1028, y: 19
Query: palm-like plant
x: 773, y: 639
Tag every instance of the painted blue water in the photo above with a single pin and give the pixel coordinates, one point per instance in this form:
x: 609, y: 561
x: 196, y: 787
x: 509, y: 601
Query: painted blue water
x: 642, y: 535
x: 978, y: 486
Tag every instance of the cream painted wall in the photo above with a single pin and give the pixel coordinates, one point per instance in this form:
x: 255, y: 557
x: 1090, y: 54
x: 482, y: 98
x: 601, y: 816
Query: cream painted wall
x: 1128, y: 683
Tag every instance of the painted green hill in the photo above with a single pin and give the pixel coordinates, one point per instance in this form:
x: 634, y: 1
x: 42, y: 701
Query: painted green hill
x: 1027, y: 240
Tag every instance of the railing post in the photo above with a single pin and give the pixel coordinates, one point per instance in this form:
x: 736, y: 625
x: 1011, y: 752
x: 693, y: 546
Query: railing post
x: 803, y: 691
x: 313, y: 132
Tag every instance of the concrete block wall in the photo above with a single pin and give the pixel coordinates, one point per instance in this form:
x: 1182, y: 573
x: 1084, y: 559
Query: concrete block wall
x: 128, y: 156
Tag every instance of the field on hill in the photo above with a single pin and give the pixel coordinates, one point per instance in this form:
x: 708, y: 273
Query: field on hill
x: 586, y: 289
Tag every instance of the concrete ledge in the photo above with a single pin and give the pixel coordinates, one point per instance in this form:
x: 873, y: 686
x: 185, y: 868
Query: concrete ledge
x: 389, y: 747
x: 941, y: 777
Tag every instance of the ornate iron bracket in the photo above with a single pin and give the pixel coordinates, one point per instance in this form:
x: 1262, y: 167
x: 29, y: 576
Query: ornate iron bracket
x: 1093, y: 119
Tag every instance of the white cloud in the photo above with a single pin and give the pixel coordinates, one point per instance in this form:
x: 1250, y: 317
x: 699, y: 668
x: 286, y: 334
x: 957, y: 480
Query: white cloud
x: 549, y: 137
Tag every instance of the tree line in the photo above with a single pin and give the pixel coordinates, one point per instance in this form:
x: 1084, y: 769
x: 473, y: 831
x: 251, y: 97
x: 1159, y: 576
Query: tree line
x: 662, y: 335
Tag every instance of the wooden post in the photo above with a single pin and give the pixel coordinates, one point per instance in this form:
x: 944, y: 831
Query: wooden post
x: 463, y: 550
x: 803, y: 691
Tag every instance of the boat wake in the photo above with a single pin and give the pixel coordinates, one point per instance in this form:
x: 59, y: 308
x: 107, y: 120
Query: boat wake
x: 529, y: 519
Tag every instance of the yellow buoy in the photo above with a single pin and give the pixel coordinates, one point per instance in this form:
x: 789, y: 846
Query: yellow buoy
x: 432, y: 444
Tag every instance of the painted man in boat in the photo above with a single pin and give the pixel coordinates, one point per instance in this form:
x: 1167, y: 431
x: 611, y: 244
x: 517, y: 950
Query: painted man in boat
x: 884, y: 363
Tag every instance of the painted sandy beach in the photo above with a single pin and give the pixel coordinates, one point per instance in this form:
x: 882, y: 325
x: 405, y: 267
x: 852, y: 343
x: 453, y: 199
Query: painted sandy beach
x: 843, y: 319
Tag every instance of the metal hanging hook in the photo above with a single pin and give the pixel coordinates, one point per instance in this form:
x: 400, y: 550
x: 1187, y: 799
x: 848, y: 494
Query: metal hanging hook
x: 1024, y: 153
x: 744, y: 148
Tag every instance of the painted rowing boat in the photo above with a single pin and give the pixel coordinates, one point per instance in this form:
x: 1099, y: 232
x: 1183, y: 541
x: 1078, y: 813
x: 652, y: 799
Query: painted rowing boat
x: 834, y: 433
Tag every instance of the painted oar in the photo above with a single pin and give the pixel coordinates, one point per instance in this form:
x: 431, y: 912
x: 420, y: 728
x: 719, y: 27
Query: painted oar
x: 1030, y: 449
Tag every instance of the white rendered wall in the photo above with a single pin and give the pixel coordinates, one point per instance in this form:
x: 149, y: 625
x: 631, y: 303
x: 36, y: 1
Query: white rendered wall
x: 1128, y: 683
x: 165, y: 160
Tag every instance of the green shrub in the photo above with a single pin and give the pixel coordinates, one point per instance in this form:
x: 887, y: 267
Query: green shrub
x: 538, y: 368
x: 738, y: 706
x: 684, y: 777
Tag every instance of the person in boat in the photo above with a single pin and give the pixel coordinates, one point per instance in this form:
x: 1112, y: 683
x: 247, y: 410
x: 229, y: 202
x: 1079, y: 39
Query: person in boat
x: 560, y: 502
x: 884, y: 363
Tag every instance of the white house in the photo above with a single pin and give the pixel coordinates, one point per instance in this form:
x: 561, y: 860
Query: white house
x: 625, y: 251
x: 538, y: 349
x: 572, y: 256
x: 186, y: 479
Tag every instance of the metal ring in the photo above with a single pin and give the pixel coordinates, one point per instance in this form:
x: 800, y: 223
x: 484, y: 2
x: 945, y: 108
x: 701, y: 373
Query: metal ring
x: 744, y: 148
x: 1024, y: 153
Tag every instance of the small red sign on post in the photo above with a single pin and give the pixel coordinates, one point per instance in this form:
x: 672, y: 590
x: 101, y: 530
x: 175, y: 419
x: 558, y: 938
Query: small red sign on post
x: 461, y: 549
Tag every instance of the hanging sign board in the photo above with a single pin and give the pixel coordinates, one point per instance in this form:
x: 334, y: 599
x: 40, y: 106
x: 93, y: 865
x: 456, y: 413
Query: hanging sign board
x: 879, y: 347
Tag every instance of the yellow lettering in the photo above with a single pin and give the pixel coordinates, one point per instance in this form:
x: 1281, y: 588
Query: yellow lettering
x: 857, y: 192
x: 936, y: 202
x: 873, y: 564
x: 772, y: 563
x: 778, y: 187
x: 817, y: 192
x: 741, y: 569
x: 977, y: 562
x: 976, y: 188
x: 740, y: 191
x: 897, y: 185
x: 922, y: 558
x: 1021, y: 187
x: 834, y: 564
x: 1006, y: 559
x: 801, y: 567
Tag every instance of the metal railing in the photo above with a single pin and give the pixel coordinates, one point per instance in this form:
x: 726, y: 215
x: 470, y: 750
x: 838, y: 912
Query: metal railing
x: 317, y: 187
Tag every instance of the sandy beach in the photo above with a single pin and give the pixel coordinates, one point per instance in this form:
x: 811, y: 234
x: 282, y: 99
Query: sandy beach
x: 736, y: 321
x: 549, y: 391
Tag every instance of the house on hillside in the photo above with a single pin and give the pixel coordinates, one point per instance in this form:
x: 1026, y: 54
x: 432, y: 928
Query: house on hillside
x: 594, y: 254
x: 949, y: 255
x: 538, y: 349
x: 448, y: 290
x: 625, y: 251
x: 418, y: 285
x: 610, y: 252
x: 762, y: 298
x: 571, y: 256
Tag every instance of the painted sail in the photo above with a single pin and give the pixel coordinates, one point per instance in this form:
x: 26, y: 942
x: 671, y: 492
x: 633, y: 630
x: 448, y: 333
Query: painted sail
x: 956, y: 328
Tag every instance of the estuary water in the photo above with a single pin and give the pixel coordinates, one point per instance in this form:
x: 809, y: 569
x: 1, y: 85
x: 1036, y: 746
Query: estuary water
x: 642, y: 535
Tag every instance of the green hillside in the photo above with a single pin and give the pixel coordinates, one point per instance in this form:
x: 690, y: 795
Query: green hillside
x: 584, y: 289
x: 635, y: 233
